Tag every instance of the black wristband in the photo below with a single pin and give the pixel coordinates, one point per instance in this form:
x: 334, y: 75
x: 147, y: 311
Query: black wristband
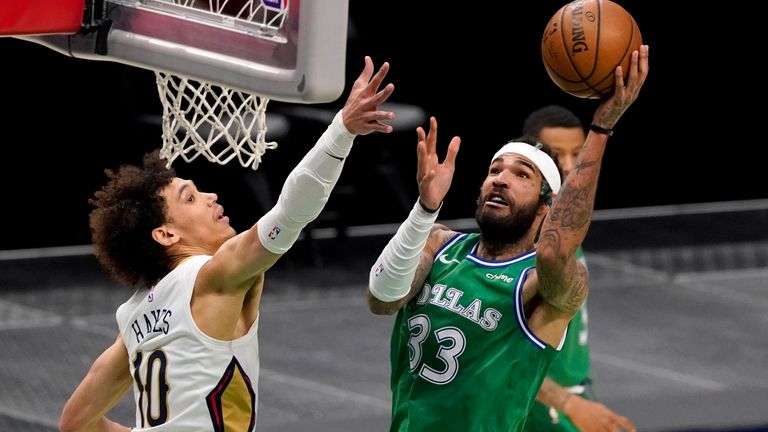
x: 599, y: 129
x: 429, y: 210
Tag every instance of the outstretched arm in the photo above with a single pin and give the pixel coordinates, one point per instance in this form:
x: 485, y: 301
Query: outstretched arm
x: 402, y: 267
x: 241, y: 260
x: 586, y: 415
x: 105, y: 384
x: 308, y: 186
x: 562, y: 282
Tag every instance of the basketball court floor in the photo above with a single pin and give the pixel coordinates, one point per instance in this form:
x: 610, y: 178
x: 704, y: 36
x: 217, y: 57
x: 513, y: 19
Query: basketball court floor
x: 678, y: 316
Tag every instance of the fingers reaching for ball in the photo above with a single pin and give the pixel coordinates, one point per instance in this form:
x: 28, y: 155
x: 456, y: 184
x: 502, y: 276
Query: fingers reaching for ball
x: 624, y: 94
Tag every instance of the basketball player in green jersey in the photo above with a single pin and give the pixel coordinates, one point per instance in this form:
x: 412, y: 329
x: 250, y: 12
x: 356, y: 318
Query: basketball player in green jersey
x: 481, y: 317
x: 565, y: 402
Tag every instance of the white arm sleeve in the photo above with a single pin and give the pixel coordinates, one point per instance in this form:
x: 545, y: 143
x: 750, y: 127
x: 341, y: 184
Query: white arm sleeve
x: 306, y: 189
x: 392, y: 273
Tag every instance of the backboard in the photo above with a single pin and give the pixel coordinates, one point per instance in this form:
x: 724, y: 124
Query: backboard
x: 288, y: 50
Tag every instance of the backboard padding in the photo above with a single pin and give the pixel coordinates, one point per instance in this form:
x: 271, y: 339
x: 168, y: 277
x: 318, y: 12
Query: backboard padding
x: 302, y: 62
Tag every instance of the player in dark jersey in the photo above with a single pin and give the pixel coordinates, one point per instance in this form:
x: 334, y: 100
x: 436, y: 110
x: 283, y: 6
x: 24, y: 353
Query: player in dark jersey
x: 480, y: 317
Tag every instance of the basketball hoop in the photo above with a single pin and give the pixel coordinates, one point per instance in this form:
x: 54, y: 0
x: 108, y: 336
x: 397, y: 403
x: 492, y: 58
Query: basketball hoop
x: 217, y: 62
x: 215, y: 121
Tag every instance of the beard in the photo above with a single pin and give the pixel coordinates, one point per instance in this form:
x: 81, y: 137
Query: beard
x: 499, y: 231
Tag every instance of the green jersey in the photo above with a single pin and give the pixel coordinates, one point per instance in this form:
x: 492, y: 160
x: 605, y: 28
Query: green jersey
x: 463, y: 357
x: 571, y: 367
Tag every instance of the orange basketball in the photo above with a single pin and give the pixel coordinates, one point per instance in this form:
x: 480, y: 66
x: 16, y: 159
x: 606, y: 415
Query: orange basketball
x: 584, y: 42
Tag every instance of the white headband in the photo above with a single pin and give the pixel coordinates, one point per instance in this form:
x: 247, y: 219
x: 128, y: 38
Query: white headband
x: 545, y: 163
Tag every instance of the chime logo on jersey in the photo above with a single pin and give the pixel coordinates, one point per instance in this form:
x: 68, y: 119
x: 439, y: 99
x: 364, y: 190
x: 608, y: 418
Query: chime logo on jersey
x: 501, y: 277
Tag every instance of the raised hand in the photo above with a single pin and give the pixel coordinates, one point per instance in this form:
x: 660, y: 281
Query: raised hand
x: 434, y: 178
x: 609, y: 112
x: 361, y: 111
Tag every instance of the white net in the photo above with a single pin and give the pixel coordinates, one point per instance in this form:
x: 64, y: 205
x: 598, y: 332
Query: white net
x: 219, y: 123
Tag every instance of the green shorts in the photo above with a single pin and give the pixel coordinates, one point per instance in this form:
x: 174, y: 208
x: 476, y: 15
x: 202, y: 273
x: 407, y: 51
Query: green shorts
x: 543, y: 418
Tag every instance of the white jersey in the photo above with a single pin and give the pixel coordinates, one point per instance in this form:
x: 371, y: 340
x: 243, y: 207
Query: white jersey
x: 183, y: 379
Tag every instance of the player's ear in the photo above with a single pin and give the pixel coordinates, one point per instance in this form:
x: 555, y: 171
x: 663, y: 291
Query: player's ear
x: 164, y: 235
x: 545, y: 205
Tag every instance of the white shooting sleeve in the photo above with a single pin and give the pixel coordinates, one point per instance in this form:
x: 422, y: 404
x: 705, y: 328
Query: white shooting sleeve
x: 392, y: 273
x: 307, y: 188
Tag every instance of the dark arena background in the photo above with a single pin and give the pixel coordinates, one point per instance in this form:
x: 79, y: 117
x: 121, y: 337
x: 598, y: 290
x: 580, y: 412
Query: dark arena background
x: 677, y: 252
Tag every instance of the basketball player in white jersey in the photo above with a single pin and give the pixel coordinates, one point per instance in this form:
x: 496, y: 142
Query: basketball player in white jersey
x: 187, y: 341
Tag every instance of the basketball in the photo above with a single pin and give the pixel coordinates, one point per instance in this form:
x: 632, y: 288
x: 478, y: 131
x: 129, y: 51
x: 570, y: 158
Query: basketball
x: 584, y: 42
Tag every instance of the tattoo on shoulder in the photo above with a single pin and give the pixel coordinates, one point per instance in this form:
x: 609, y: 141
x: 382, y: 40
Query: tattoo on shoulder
x: 422, y: 271
x: 439, y: 236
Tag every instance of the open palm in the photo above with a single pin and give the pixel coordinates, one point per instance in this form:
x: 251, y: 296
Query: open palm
x: 434, y: 178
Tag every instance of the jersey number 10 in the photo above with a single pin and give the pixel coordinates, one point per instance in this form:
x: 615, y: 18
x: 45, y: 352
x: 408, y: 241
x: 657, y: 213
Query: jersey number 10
x: 154, y: 387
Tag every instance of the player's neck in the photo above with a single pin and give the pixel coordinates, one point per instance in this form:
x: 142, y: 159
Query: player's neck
x: 180, y: 253
x: 497, y: 251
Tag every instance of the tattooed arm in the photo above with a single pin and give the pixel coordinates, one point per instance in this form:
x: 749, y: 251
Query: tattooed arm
x: 562, y: 281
